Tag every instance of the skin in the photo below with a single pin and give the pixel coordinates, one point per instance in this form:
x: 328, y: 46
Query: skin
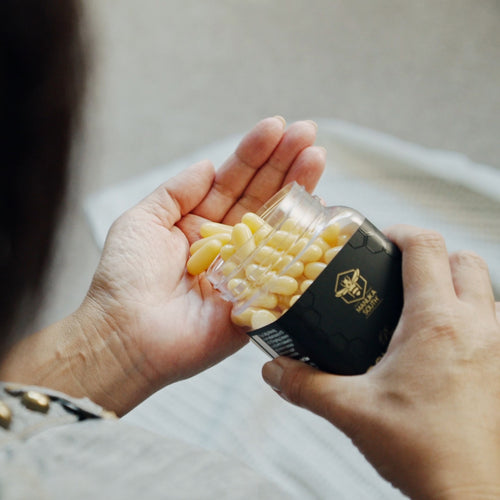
x: 427, y: 415
x: 145, y: 322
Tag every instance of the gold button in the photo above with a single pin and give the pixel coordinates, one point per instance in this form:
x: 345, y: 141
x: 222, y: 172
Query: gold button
x: 109, y: 415
x: 36, y: 401
x: 5, y: 415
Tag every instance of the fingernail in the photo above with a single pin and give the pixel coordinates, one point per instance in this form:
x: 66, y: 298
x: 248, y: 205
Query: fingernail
x: 313, y: 123
x: 281, y: 119
x: 272, y: 373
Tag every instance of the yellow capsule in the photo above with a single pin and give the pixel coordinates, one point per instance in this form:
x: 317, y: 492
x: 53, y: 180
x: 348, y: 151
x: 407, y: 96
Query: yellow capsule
x: 203, y: 257
x: 253, y: 221
x: 262, y: 317
x: 283, y: 302
x: 284, y: 260
x: 228, y: 268
x: 222, y: 237
x: 295, y: 270
x: 227, y: 251
x: 313, y: 269
x: 312, y: 253
x: 284, y: 285
x: 294, y: 299
x: 290, y: 226
x: 239, y: 288
x: 298, y: 246
x: 321, y: 243
x: 241, y: 234
x: 244, y: 318
x: 266, y: 300
x: 266, y: 256
x: 343, y: 239
x: 331, y: 253
x: 262, y: 233
x: 256, y: 274
x: 211, y: 228
x: 281, y: 240
x: 305, y: 285
x: 245, y: 250
x: 330, y: 234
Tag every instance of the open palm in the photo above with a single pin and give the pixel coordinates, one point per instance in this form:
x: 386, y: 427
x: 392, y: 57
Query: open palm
x: 172, y: 325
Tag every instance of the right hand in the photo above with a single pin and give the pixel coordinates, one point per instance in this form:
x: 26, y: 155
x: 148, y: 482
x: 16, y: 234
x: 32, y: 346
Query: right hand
x: 427, y: 416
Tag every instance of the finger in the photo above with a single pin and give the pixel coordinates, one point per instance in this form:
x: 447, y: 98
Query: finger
x: 270, y: 177
x: 235, y: 174
x: 472, y: 280
x: 426, y: 266
x: 306, y: 170
x: 338, y: 399
x: 180, y: 194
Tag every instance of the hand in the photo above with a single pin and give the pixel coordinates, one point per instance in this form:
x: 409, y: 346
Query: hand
x: 161, y: 324
x: 427, y: 416
x: 145, y: 322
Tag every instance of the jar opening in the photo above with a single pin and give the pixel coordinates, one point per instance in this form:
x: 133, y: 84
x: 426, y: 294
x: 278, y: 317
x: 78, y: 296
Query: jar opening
x: 288, y: 216
x: 291, y: 202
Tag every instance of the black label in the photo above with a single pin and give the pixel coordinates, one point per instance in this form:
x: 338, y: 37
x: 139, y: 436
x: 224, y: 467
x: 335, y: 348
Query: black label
x: 344, y: 321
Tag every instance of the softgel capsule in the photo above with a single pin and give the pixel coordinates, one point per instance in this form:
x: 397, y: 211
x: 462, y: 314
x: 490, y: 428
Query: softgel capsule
x: 319, y: 284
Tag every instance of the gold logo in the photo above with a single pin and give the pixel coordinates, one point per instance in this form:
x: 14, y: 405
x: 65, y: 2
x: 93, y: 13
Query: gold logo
x: 350, y: 286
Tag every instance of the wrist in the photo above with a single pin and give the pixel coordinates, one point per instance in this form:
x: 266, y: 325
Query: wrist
x: 471, y: 473
x: 485, y: 491
x: 100, y: 363
x: 83, y: 355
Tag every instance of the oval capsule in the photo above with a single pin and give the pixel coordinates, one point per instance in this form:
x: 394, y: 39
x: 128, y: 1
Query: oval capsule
x: 222, y: 237
x: 284, y: 285
x: 211, y: 228
x: 262, y: 317
x: 314, y: 269
x: 312, y: 253
x: 203, y: 257
x: 330, y: 234
x: 253, y: 221
x: 241, y: 234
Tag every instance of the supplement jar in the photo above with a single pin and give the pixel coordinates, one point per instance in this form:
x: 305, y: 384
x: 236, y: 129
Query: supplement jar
x: 316, y: 283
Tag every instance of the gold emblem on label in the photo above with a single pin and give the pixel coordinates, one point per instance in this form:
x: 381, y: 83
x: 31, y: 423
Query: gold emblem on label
x: 350, y: 286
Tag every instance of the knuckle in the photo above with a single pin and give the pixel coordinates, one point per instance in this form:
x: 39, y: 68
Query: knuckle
x: 427, y: 239
x: 295, y: 385
x: 291, y: 385
x: 468, y: 258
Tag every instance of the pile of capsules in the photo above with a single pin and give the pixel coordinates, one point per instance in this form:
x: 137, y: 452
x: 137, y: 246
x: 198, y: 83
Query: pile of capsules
x: 267, y: 269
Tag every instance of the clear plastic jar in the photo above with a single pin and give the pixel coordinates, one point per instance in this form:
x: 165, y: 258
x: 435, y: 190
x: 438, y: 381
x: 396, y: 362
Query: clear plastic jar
x: 316, y: 283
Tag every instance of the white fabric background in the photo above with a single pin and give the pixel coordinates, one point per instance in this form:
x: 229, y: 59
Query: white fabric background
x: 229, y: 408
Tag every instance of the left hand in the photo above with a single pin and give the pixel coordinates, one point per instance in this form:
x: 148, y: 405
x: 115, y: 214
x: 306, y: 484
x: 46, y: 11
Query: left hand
x: 145, y: 322
x: 159, y: 323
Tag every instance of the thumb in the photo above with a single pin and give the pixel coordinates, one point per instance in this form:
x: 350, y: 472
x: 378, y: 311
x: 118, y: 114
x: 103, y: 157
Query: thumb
x: 340, y: 399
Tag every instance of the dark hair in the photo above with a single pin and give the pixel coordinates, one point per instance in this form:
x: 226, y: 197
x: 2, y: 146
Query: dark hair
x: 42, y: 71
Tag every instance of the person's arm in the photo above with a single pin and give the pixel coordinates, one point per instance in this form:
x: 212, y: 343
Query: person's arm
x: 145, y: 322
x: 427, y: 416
